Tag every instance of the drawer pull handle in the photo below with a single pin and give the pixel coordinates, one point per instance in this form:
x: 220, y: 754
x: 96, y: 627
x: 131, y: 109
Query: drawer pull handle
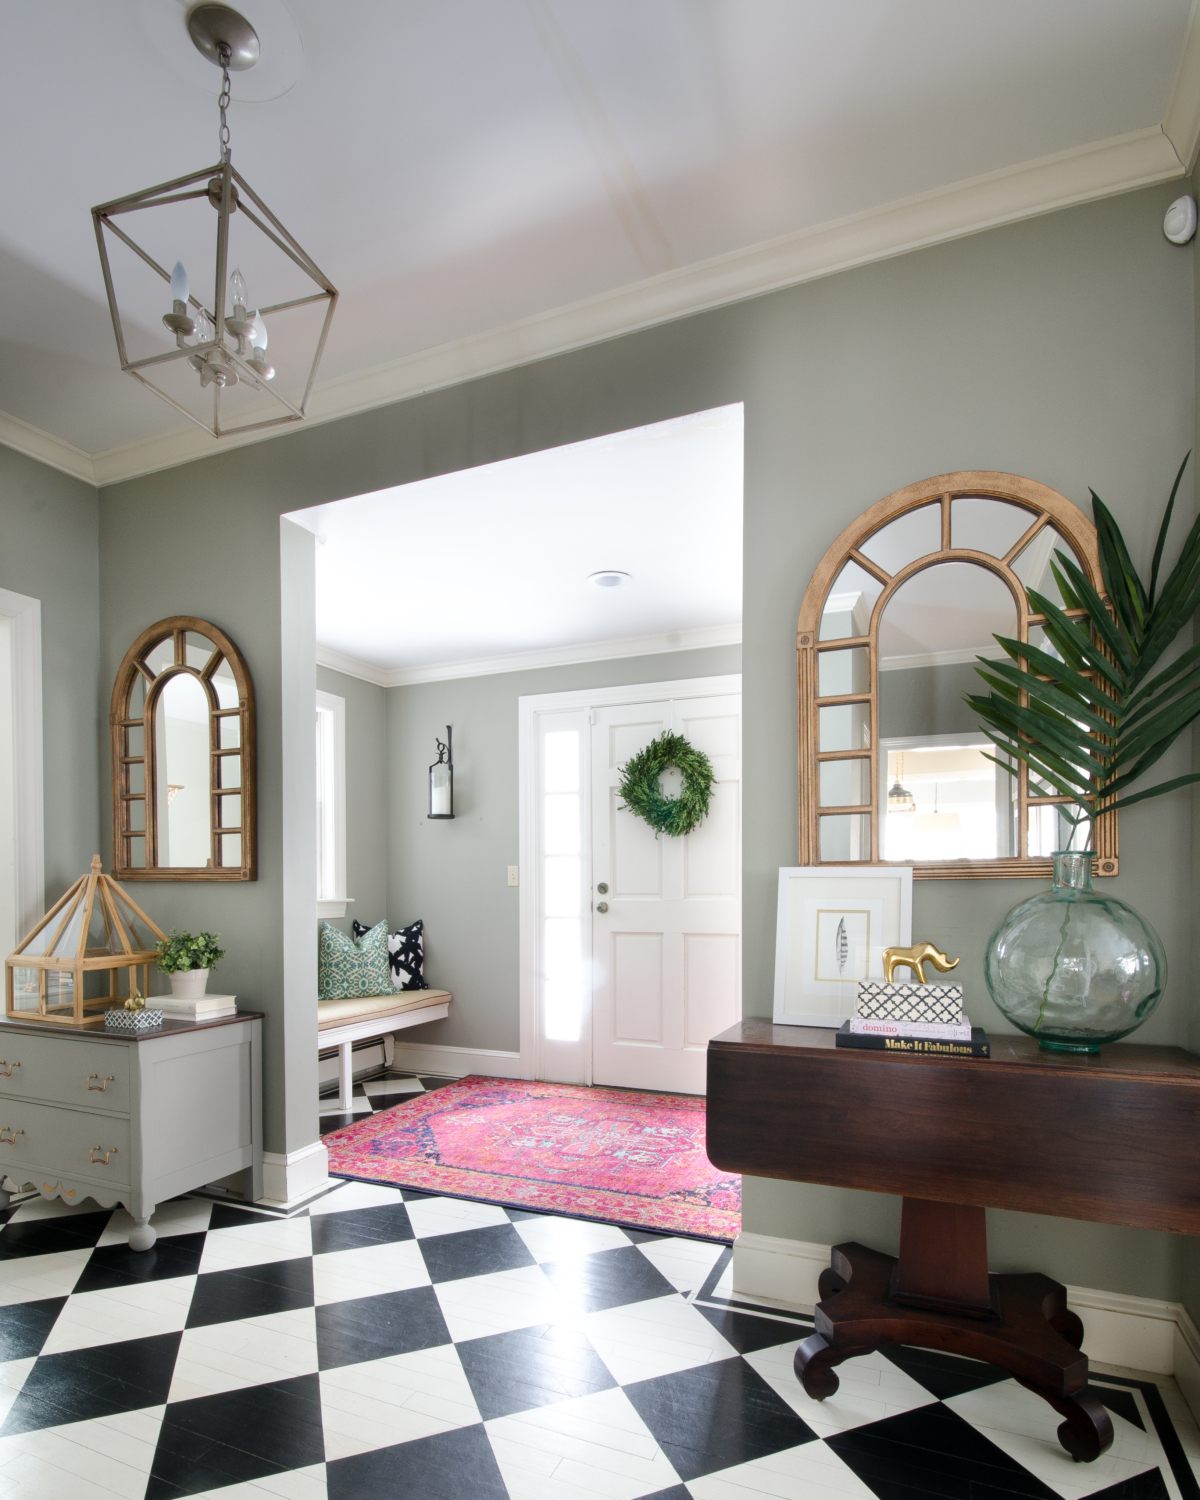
x: 8, y: 1136
x: 98, y: 1088
x: 101, y: 1161
x: 7, y: 1067
x: 58, y: 1188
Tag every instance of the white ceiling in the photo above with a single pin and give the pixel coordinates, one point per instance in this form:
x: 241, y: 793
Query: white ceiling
x: 493, y: 562
x: 460, y: 165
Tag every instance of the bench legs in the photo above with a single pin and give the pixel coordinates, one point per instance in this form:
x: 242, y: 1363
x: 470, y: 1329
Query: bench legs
x: 345, y: 1076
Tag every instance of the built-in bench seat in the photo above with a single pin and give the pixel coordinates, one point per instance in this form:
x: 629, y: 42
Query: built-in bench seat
x: 341, y: 1023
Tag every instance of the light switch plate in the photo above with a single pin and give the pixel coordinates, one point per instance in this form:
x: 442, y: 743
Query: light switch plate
x: 513, y: 875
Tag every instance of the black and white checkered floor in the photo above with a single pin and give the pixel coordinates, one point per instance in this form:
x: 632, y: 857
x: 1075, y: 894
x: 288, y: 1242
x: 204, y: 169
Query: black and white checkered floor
x: 383, y: 1343
x: 373, y: 1095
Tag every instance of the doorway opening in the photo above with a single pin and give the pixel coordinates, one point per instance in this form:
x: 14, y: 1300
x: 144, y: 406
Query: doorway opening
x: 609, y: 568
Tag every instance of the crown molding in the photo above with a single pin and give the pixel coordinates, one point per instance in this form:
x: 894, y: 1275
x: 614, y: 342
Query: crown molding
x: 1062, y: 180
x: 46, y: 448
x: 525, y: 661
x: 950, y: 658
x: 352, y: 666
x: 1181, y: 123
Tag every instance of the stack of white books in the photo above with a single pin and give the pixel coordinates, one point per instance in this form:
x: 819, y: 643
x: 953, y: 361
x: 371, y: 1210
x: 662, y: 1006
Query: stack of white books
x: 205, y: 1008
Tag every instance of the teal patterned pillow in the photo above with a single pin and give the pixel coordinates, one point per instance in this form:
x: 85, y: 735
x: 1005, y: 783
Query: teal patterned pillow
x: 348, y: 968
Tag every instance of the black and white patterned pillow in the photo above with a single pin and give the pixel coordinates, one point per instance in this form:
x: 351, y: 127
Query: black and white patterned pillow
x: 406, y: 954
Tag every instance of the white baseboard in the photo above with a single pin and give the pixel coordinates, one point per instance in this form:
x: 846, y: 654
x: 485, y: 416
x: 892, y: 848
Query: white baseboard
x: 455, y: 1062
x: 1187, y: 1362
x: 1140, y: 1333
x: 291, y: 1179
x: 368, y: 1057
x: 768, y: 1269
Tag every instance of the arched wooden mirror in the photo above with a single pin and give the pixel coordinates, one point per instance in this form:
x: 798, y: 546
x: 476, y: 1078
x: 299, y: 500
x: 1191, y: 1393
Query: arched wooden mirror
x: 893, y: 763
x: 183, y: 757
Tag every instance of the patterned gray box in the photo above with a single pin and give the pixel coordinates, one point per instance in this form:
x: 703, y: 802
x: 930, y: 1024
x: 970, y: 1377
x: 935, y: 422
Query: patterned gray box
x: 132, y: 1020
x: 910, y: 1002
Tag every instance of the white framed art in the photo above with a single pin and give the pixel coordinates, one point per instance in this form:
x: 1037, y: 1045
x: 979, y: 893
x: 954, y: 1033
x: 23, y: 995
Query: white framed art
x: 834, y: 922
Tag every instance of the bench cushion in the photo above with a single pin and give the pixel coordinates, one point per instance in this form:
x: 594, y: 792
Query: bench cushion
x: 331, y: 1013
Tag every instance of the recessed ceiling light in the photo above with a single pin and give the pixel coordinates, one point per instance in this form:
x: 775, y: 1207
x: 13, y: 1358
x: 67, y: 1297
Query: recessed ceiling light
x: 609, y: 579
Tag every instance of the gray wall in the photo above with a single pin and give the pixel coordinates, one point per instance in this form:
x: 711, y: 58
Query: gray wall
x: 454, y: 875
x: 50, y: 550
x: 1062, y: 348
x: 367, y: 832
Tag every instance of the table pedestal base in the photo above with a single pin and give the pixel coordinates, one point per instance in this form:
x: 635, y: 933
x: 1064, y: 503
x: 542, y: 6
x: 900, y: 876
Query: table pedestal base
x: 1020, y: 1323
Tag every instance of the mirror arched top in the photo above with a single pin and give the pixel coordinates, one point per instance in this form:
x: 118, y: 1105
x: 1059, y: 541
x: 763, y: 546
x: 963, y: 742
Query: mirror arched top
x: 183, y: 757
x: 893, y: 765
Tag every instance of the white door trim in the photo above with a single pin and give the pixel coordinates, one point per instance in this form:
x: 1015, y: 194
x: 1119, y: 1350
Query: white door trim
x: 528, y: 709
x: 26, y: 634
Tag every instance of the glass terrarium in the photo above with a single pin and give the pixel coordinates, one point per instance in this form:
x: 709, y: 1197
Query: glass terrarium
x: 83, y: 956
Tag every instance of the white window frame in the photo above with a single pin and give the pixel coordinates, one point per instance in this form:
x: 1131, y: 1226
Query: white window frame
x: 24, y: 616
x: 331, y: 805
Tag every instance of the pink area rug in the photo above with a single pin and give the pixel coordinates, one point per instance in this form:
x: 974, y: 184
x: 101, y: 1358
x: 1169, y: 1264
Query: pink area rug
x: 617, y: 1155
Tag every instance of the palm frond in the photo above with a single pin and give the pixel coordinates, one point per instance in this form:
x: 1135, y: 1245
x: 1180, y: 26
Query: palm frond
x: 1090, y: 716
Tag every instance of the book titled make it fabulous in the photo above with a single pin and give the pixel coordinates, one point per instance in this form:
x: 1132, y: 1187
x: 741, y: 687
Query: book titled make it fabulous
x: 976, y: 1045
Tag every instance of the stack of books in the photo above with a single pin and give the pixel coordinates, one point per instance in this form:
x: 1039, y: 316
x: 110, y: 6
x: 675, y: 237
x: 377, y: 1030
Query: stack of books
x: 206, y: 1008
x: 931, y: 1038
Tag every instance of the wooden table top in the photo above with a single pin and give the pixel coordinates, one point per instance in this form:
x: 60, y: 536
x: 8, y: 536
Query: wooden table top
x: 169, y: 1027
x: 755, y: 1034
x: 1112, y: 1137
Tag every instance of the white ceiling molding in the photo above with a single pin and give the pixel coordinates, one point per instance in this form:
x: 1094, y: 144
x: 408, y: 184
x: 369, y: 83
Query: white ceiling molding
x: 35, y: 443
x: 1181, y: 125
x: 948, y: 658
x: 352, y: 666
x: 524, y: 661
x: 1081, y: 175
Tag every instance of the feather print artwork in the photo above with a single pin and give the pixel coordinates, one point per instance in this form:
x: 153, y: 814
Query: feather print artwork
x: 841, y: 943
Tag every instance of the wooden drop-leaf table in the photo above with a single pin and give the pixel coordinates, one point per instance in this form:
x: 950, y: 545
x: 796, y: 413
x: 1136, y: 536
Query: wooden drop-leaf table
x: 1112, y: 1137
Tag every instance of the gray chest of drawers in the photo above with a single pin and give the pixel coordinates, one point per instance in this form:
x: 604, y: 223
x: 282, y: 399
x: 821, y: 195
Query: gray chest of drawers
x: 131, y: 1120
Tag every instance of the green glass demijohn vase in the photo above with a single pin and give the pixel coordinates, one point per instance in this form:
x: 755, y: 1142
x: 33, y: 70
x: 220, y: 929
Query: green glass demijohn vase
x: 1072, y: 967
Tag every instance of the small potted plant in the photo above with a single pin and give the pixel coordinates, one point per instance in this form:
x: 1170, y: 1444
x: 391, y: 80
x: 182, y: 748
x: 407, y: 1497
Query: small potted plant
x: 187, y: 959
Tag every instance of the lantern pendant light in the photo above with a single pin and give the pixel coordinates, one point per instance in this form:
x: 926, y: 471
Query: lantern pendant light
x: 900, y: 799
x: 225, y: 344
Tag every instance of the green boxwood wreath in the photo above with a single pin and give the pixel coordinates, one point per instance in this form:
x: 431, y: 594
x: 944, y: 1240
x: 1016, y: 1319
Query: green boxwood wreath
x: 643, y: 795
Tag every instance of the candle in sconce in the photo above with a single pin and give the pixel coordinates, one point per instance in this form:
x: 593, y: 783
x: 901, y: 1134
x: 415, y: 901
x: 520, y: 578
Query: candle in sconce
x: 441, y: 780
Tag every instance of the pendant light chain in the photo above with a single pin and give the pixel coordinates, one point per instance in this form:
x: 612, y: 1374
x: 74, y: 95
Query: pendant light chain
x: 223, y: 102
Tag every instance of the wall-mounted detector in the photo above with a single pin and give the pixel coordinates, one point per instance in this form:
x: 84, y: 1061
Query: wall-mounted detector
x: 1179, y: 225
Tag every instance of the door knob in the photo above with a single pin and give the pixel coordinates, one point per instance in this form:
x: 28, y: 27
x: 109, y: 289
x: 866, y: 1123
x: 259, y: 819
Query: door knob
x: 603, y: 906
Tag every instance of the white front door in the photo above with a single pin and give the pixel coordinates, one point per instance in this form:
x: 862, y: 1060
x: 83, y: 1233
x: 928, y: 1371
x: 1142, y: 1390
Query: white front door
x: 666, y: 953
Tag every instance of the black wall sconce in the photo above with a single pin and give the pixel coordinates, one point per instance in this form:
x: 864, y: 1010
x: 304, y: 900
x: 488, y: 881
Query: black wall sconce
x: 441, y: 780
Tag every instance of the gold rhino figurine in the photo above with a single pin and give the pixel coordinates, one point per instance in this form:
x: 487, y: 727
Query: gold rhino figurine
x: 915, y: 958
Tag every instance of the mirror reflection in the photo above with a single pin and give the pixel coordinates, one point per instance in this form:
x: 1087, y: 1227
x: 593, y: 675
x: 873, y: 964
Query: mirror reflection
x: 181, y: 743
x: 940, y: 797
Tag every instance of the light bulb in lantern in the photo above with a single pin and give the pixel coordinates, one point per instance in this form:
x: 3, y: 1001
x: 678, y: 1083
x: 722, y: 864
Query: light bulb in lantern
x: 238, y: 294
x: 177, y: 319
x: 258, y: 349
